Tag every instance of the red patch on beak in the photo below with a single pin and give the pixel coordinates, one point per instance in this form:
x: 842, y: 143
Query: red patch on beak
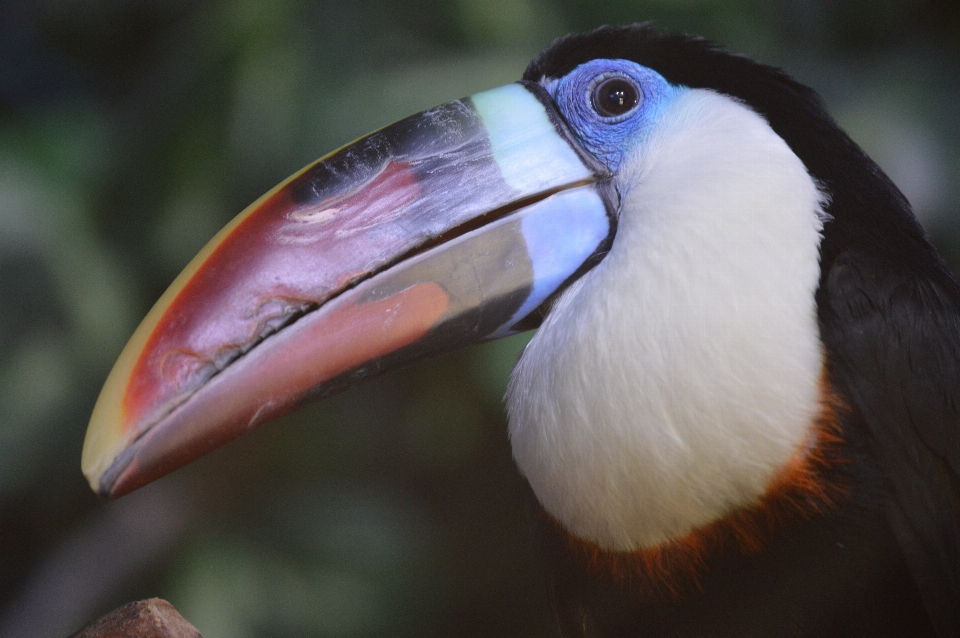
x: 272, y: 378
x: 236, y: 297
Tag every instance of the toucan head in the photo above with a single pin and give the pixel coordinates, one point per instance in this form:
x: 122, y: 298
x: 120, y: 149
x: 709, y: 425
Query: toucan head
x: 648, y: 199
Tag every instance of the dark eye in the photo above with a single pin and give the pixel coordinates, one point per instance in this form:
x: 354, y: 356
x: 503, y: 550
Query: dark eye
x: 615, y: 96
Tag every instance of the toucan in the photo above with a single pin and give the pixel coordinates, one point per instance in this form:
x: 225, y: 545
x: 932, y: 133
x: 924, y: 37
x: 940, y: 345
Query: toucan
x: 739, y: 412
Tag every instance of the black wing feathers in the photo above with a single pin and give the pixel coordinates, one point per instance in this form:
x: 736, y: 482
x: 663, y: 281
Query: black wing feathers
x: 894, y: 338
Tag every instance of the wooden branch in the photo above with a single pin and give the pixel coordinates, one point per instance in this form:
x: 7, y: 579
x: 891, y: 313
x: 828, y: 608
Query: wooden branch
x: 151, y: 618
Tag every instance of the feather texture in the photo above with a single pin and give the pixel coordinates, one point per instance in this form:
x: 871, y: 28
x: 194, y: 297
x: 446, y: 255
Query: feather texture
x: 671, y: 383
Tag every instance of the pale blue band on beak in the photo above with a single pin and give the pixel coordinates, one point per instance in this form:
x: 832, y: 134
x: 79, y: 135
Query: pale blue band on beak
x: 526, y: 146
x: 561, y: 233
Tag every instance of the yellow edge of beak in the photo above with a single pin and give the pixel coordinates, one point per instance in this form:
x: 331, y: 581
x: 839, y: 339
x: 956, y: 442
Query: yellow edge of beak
x: 105, y: 437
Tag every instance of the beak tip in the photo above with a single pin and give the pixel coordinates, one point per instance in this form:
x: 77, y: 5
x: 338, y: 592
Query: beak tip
x: 94, y: 469
x: 108, y: 437
x: 118, y: 473
x: 103, y: 461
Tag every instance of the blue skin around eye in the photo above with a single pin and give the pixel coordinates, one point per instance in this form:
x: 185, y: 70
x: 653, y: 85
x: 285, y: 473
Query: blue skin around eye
x: 562, y: 231
x: 606, y: 139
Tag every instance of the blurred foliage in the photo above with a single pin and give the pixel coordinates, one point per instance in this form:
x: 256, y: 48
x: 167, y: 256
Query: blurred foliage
x: 131, y: 131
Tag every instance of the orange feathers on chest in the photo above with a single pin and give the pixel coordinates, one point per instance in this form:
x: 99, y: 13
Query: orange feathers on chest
x: 798, y: 492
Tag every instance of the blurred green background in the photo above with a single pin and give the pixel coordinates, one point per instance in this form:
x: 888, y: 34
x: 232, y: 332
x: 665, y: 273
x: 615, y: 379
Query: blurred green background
x: 131, y: 131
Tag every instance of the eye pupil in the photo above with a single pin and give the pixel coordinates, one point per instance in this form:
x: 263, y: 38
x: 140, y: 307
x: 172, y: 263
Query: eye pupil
x: 614, y: 97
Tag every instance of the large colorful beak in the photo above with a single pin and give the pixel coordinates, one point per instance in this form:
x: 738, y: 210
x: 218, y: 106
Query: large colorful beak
x: 448, y: 228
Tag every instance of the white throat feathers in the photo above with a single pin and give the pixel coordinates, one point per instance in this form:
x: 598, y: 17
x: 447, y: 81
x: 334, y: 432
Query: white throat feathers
x: 669, y: 385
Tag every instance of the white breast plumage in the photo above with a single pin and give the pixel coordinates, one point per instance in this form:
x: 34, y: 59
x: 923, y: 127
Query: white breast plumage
x: 670, y: 384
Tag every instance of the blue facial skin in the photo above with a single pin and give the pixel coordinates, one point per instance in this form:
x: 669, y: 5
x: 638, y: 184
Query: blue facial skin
x: 572, y: 225
x: 608, y: 138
